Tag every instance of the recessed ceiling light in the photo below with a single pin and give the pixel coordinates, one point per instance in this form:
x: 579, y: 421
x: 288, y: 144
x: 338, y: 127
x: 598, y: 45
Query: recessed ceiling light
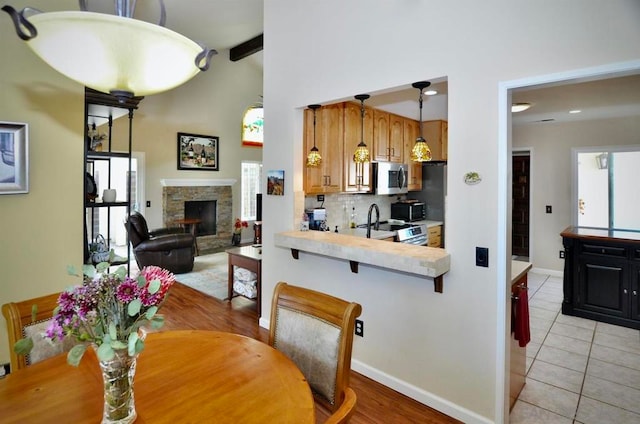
x: 519, y: 107
x: 575, y: 111
x: 431, y: 92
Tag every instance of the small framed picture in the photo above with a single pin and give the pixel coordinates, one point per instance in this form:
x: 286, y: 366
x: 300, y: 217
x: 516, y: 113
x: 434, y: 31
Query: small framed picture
x: 275, y: 183
x: 14, y: 158
x: 198, y: 152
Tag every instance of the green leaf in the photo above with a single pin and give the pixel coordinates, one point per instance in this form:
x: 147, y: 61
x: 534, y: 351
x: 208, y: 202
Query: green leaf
x: 23, y: 346
x: 113, y: 332
x: 151, y: 312
x: 141, y: 281
x: 157, y: 322
x: 105, y: 352
x: 34, y: 312
x: 121, y: 272
x: 131, y: 347
x: 103, y: 266
x: 133, y: 308
x: 117, y: 344
x: 139, y: 346
x: 112, y: 255
x: 71, y: 270
x: 89, y: 270
x: 75, y: 354
x: 154, y: 286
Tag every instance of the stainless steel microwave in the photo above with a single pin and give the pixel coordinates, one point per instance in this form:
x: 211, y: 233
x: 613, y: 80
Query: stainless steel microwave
x: 390, y: 177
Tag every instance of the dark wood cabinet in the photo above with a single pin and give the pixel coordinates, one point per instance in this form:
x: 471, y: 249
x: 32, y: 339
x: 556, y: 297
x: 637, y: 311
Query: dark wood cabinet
x: 601, y: 275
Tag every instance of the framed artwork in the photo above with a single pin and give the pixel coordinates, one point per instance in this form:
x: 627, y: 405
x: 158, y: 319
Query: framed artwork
x: 275, y: 183
x: 14, y: 158
x: 198, y: 152
x: 252, y: 126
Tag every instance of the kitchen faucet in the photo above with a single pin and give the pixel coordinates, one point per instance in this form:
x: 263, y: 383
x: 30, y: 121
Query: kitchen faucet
x: 377, y: 224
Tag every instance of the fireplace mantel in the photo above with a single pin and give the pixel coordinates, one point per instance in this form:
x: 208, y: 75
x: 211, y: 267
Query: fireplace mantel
x: 196, y: 182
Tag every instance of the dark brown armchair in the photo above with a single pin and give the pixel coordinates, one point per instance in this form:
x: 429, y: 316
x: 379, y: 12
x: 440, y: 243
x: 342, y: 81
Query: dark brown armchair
x: 167, y: 248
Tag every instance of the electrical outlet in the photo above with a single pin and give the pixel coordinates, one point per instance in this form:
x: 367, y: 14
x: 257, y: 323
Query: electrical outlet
x: 148, y: 203
x: 320, y: 197
x: 562, y: 254
x: 359, y: 328
x: 548, y: 208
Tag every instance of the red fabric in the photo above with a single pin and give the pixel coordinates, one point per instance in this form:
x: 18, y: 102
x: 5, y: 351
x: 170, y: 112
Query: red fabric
x: 521, y: 312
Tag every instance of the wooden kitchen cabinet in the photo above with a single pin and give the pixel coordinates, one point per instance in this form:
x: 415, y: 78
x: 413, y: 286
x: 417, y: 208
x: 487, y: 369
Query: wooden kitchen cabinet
x: 601, y: 276
x: 357, y: 177
x: 414, y: 173
x: 388, y: 137
x: 326, y: 178
x: 437, y: 135
x: 435, y: 236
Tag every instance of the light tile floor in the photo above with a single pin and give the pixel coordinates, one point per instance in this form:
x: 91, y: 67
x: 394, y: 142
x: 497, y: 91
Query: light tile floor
x: 578, y: 371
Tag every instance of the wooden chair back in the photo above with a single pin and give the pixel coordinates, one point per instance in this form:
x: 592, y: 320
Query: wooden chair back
x: 20, y: 324
x: 315, y: 330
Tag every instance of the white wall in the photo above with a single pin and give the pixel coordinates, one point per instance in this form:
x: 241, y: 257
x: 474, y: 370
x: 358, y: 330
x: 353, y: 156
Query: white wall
x: 551, y: 175
x: 444, y: 349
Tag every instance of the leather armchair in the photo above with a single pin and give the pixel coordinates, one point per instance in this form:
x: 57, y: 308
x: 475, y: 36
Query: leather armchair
x: 167, y: 248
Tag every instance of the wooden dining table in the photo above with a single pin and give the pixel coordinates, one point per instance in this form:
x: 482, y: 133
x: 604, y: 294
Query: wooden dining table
x: 187, y: 376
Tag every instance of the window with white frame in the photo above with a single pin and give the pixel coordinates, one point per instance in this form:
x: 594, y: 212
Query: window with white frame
x: 251, y: 176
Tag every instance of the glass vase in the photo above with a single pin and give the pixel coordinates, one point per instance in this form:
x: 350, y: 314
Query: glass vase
x: 117, y: 376
x: 235, y: 239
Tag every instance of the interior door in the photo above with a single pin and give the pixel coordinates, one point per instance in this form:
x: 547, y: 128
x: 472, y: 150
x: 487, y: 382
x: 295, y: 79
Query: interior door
x: 520, y: 215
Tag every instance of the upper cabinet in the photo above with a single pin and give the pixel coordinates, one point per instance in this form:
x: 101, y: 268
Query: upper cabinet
x: 357, y: 176
x: 329, y: 130
x: 437, y: 135
x: 414, y: 173
x: 387, y: 137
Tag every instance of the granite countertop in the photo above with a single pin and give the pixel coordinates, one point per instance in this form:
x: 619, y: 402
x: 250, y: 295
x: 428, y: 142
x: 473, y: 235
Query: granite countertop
x: 518, y: 269
x: 421, y: 260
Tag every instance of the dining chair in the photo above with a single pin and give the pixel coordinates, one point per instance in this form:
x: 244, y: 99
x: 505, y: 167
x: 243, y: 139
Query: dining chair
x: 315, y: 330
x: 22, y: 323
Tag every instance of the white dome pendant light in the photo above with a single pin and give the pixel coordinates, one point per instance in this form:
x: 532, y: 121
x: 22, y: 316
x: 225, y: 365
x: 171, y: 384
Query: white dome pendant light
x: 114, y: 54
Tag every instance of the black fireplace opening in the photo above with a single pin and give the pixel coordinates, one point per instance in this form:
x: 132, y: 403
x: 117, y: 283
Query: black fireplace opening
x: 205, y: 211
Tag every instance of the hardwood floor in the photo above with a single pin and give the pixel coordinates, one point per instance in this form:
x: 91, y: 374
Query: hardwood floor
x: 187, y: 308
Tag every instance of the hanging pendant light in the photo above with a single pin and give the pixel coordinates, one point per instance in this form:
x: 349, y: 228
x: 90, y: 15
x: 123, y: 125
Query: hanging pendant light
x: 114, y: 54
x: 313, y: 158
x: 361, y: 154
x: 421, y: 151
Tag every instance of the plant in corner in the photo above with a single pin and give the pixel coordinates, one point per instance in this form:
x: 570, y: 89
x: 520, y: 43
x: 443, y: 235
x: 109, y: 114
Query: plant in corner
x: 107, y: 311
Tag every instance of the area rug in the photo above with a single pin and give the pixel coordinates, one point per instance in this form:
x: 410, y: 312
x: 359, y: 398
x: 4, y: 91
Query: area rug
x: 209, y: 275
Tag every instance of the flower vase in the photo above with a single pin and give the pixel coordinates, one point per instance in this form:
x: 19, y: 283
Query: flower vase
x: 235, y: 239
x: 117, y: 376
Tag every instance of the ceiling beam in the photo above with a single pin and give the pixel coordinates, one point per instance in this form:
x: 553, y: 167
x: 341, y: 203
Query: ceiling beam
x: 246, y: 49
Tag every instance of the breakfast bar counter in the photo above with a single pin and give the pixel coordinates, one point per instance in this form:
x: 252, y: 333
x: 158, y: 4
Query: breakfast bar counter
x: 420, y: 260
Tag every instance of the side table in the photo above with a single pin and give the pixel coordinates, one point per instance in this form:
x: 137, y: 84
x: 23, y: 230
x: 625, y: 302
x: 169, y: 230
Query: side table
x: 247, y: 257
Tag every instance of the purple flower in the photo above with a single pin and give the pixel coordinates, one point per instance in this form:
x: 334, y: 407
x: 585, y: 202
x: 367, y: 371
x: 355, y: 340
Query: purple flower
x: 127, y: 291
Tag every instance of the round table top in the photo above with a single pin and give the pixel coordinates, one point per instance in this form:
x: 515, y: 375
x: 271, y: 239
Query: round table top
x: 187, y: 376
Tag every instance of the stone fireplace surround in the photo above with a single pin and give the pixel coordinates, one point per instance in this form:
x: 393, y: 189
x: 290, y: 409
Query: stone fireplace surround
x: 176, y: 191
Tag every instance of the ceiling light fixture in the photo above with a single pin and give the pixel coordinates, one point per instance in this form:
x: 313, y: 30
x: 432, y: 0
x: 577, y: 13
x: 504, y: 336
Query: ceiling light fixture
x: 520, y: 107
x: 421, y: 151
x: 361, y: 154
x: 430, y: 93
x: 574, y: 111
x: 114, y: 54
x: 313, y: 158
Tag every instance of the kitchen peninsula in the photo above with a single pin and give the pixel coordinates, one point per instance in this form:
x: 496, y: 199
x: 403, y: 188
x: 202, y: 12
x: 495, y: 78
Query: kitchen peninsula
x: 426, y: 261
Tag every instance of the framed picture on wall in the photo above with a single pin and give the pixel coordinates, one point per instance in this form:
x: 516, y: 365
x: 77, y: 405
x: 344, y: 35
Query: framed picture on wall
x: 14, y: 158
x: 198, y: 152
x: 275, y: 183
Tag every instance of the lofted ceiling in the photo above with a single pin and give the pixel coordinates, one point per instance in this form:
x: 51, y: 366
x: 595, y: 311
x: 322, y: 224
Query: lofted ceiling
x: 223, y: 24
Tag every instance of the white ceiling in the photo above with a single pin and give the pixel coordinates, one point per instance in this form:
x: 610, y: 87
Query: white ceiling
x: 222, y: 24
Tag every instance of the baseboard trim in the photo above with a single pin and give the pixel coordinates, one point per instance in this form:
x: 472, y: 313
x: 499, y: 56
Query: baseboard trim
x: 420, y: 395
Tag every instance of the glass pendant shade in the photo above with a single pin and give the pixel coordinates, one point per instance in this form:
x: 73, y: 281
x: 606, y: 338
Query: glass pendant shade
x: 113, y: 54
x: 361, y: 155
x: 421, y: 151
x: 313, y: 158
